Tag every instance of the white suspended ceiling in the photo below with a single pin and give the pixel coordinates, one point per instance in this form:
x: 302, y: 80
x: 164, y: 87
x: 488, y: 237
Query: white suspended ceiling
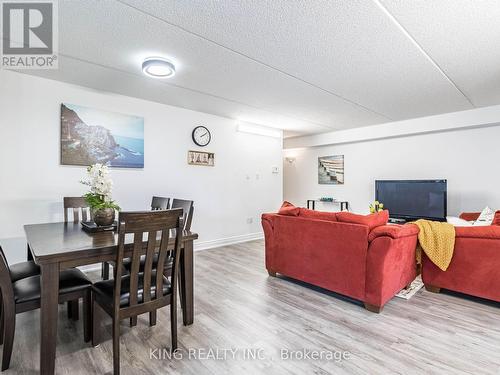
x: 303, y: 66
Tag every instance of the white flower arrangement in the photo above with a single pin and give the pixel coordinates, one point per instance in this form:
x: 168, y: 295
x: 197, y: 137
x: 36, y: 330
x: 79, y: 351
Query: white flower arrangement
x: 101, y: 187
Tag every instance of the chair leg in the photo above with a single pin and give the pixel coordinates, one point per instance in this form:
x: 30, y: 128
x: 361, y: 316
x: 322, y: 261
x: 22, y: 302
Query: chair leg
x: 133, y: 321
x: 96, y: 322
x: 73, y: 310
x: 116, y: 346
x: 152, y: 318
x: 173, y: 322
x: 105, y: 270
x: 9, y: 316
x: 87, y: 316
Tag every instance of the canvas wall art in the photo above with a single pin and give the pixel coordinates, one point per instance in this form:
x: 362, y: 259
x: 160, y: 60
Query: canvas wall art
x: 90, y: 136
x: 331, y: 170
x: 201, y: 158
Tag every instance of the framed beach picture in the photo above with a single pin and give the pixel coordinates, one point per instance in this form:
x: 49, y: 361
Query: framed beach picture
x: 90, y: 136
x: 331, y: 170
x: 201, y: 158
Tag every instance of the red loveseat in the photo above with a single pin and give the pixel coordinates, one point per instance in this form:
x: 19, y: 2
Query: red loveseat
x: 475, y: 266
x: 370, y: 265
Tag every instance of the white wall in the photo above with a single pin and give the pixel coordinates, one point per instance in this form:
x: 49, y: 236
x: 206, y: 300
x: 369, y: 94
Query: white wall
x: 32, y: 181
x: 468, y: 159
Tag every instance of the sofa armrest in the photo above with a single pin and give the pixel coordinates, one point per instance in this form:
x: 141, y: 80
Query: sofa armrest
x: 391, y: 262
x: 484, y: 232
x: 268, y: 227
x: 393, y: 231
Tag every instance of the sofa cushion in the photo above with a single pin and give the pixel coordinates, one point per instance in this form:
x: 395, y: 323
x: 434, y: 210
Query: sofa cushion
x: 469, y: 216
x: 317, y: 215
x: 371, y: 221
x: 485, y: 218
x: 289, y: 209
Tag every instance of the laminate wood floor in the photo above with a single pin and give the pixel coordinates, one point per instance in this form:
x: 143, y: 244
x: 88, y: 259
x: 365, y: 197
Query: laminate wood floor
x: 238, y: 307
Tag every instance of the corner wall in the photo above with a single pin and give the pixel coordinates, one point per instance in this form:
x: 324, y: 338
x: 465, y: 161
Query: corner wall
x: 467, y: 158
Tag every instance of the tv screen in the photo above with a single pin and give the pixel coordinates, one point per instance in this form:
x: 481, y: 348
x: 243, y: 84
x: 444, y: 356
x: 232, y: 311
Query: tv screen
x: 413, y: 199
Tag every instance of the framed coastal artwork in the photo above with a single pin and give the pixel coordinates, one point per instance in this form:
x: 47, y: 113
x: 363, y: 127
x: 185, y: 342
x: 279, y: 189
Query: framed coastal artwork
x: 331, y: 170
x: 206, y: 159
x: 90, y: 136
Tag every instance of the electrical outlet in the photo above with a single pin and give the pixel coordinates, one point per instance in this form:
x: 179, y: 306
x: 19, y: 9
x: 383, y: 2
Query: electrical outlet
x: 250, y: 220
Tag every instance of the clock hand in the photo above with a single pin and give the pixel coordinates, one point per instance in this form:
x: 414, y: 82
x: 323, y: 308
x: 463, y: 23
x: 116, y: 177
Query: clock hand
x: 203, y: 135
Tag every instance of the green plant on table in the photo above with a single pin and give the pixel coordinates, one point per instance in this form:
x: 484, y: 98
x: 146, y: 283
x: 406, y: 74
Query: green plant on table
x: 376, y: 207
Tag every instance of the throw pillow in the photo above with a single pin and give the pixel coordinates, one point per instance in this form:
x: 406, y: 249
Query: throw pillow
x: 485, y: 218
x: 288, y: 209
x: 318, y: 215
x: 371, y: 221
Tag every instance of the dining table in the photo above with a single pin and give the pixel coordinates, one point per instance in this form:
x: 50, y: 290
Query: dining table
x: 58, y: 246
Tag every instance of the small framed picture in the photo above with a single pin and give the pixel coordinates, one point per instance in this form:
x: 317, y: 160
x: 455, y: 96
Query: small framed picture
x: 206, y: 159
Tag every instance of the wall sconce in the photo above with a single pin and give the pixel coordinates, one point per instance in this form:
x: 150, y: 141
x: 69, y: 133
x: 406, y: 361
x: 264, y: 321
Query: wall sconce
x: 290, y: 159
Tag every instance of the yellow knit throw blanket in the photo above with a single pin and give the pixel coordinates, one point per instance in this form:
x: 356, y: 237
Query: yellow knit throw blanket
x: 437, y: 240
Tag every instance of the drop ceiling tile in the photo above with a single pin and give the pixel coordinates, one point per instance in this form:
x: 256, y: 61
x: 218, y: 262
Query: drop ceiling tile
x: 113, y: 35
x: 348, y: 47
x: 462, y: 36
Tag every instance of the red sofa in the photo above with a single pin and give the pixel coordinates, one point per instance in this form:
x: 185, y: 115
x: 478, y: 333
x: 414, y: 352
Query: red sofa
x: 370, y: 265
x: 475, y: 266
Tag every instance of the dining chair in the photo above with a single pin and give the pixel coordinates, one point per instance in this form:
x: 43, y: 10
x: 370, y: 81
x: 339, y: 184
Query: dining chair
x: 188, y: 208
x: 129, y: 295
x: 160, y: 203
x: 24, y: 295
x: 81, y: 209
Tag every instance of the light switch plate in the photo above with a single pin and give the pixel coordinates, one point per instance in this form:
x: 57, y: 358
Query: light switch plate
x: 275, y: 170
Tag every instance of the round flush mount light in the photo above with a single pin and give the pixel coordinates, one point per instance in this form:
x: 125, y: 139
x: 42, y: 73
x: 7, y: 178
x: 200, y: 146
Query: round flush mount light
x: 158, y: 67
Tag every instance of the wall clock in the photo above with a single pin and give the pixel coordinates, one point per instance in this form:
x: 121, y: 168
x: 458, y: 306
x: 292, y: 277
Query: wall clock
x: 201, y: 136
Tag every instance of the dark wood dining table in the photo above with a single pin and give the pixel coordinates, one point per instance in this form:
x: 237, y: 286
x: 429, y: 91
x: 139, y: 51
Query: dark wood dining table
x: 57, y: 246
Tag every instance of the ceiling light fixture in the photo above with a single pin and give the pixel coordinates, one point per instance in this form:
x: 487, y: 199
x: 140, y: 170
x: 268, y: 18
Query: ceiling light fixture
x: 158, y: 67
x: 246, y: 127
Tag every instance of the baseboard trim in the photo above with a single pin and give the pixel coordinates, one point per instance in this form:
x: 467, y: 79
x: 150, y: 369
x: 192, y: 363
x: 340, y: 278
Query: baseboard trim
x: 205, y: 245
x: 202, y: 245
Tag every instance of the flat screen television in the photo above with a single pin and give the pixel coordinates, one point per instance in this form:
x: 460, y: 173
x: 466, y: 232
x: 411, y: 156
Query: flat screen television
x: 413, y: 199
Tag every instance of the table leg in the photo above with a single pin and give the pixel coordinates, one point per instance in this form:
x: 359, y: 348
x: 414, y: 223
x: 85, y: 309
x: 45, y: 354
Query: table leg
x: 48, y: 317
x: 187, y: 281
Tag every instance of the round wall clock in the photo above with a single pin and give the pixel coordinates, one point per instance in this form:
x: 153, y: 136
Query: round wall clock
x: 201, y: 136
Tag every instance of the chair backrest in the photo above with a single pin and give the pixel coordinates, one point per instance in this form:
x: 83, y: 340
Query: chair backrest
x: 160, y: 203
x: 152, y: 223
x: 188, y: 208
x: 5, y: 280
x: 79, y: 205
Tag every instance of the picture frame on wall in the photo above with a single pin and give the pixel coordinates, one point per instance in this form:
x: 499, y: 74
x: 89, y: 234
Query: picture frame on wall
x: 331, y: 170
x: 90, y: 136
x: 202, y: 158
